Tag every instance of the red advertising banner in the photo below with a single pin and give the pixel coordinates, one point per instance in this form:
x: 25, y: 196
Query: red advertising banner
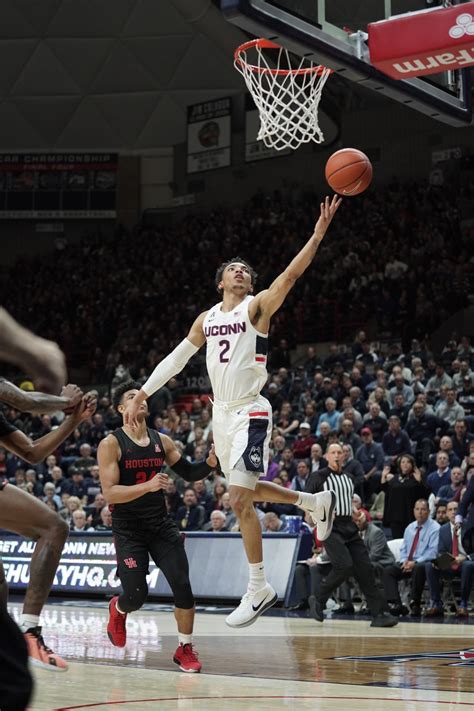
x: 425, y: 42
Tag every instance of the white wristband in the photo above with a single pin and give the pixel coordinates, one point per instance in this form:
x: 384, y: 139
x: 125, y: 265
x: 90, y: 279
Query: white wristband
x: 170, y: 366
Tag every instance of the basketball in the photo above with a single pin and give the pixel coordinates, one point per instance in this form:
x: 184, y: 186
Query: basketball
x: 349, y: 171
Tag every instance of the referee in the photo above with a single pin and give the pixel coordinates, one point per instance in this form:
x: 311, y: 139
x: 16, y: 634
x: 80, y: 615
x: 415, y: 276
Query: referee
x: 345, y: 548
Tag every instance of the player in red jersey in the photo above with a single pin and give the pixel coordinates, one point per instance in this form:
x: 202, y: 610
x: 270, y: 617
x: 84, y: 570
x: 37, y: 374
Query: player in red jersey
x: 130, y: 462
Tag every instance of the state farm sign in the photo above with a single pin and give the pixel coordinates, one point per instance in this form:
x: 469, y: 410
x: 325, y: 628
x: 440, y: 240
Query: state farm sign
x: 426, y: 42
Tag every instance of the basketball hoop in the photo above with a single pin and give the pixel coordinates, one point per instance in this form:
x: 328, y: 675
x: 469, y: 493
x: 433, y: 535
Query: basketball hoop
x: 287, y: 95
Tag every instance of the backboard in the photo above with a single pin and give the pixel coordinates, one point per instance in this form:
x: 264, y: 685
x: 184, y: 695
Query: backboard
x: 333, y: 32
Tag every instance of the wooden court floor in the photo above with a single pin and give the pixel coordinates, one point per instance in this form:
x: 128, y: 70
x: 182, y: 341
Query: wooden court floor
x: 279, y: 662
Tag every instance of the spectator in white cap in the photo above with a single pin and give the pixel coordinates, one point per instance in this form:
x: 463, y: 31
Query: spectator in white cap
x: 304, y: 440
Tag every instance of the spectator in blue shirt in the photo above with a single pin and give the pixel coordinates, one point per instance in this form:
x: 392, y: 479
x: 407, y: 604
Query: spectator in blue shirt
x: 370, y: 456
x: 396, y: 441
x: 400, y: 387
x: 461, y: 439
x: 445, y: 445
x: 272, y: 523
x: 449, y: 491
x: 434, y: 384
x: 442, y: 474
x: 76, y: 485
x: 331, y: 416
x: 420, y: 544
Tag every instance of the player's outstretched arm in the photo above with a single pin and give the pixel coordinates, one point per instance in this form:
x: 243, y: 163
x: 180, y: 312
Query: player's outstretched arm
x: 168, y: 368
x: 267, y: 302
x: 34, y: 451
x: 183, y: 468
x: 39, y: 403
x: 41, y: 358
x: 108, y: 454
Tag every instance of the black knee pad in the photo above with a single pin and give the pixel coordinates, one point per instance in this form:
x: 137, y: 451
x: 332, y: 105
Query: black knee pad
x: 183, y: 596
x: 133, y: 597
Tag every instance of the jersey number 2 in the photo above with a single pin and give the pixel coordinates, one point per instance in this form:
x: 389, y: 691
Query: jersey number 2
x: 225, y: 345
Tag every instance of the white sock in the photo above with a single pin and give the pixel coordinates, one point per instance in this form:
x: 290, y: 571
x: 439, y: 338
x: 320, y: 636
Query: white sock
x: 185, y: 638
x: 257, y: 578
x: 118, y: 609
x: 28, y: 621
x: 305, y: 501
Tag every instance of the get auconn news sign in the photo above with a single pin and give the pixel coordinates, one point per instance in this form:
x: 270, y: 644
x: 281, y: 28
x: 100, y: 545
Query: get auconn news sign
x: 87, y: 564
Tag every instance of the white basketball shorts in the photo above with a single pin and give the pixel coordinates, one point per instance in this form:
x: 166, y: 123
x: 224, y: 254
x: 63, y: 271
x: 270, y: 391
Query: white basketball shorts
x: 241, y: 438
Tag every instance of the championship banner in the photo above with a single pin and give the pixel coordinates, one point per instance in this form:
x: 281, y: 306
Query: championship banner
x: 256, y: 150
x: 218, y: 566
x: 58, y: 185
x: 424, y: 42
x: 209, y: 135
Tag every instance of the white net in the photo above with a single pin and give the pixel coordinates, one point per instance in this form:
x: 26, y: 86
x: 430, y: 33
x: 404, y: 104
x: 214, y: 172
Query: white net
x: 287, y: 94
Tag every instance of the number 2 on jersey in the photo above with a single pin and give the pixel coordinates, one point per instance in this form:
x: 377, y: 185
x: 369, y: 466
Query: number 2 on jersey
x: 225, y: 345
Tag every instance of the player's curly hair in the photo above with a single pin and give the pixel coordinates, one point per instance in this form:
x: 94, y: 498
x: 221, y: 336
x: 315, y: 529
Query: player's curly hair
x: 120, y: 391
x: 224, y: 265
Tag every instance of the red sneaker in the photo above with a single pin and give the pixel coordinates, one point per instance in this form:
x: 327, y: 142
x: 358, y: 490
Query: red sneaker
x: 40, y: 655
x: 469, y: 654
x: 116, y: 629
x: 187, y: 659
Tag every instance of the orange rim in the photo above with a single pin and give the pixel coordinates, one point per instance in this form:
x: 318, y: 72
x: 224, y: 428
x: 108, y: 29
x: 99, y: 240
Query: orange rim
x: 262, y: 43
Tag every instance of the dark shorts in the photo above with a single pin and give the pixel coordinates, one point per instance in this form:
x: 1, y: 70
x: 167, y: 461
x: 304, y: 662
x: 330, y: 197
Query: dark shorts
x: 136, y: 540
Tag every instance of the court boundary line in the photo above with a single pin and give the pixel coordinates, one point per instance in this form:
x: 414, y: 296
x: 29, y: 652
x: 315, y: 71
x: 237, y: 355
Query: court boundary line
x: 267, y: 696
x: 266, y: 678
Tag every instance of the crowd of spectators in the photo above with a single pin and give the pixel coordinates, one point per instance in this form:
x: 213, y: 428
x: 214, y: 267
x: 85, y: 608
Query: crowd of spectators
x: 405, y: 421
x: 404, y: 415
x: 396, y: 258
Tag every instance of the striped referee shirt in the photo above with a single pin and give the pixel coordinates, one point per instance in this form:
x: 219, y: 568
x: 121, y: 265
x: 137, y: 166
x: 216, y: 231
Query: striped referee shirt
x: 329, y: 480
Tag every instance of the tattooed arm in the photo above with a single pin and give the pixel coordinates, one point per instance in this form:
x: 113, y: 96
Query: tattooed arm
x: 36, y: 402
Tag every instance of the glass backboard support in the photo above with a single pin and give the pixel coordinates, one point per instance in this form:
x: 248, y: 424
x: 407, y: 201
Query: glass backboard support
x: 303, y: 27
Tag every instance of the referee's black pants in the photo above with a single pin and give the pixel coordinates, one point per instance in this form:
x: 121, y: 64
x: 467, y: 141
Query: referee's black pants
x: 349, y: 557
x: 16, y: 683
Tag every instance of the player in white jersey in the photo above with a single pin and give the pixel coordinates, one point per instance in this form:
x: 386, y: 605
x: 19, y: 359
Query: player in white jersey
x: 236, y: 333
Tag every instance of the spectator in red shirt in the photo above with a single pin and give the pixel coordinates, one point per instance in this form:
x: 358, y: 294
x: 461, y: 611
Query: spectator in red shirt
x: 303, y: 442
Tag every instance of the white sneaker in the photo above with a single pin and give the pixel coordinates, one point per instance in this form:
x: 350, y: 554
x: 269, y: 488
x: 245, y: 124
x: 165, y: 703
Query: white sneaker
x: 323, y: 513
x: 251, y: 606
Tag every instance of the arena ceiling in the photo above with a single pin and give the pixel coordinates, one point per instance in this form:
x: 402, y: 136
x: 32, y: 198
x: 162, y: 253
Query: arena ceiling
x: 109, y: 74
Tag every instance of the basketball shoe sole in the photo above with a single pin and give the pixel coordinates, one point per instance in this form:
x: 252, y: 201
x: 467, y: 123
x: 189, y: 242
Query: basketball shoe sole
x: 247, y: 612
x: 323, y: 513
